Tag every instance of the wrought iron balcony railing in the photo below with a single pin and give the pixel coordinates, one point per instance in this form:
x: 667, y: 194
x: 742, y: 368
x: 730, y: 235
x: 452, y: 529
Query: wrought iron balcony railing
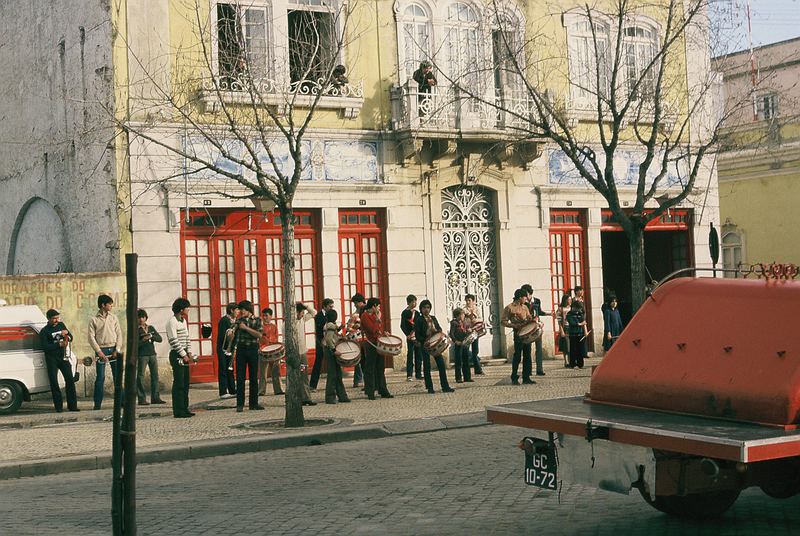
x: 345, y: 96
x: 449, y: 109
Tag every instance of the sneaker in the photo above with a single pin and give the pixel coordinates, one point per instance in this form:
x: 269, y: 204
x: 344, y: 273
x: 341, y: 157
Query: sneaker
x: 409, y: 379
x: 227, y: 395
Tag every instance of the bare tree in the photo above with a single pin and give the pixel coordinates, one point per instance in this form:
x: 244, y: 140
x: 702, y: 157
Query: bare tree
x: 248, y: 115
x: 625, y: 86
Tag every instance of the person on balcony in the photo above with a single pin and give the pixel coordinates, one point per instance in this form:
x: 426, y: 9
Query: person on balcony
x: 339, y: 79
x: 426, y: 80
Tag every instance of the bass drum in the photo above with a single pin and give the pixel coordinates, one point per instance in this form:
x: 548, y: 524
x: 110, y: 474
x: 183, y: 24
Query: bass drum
x: 350, y: 353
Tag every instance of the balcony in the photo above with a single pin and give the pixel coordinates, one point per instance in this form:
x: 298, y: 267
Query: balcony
x: 242, y: 90
x: 445, y: 117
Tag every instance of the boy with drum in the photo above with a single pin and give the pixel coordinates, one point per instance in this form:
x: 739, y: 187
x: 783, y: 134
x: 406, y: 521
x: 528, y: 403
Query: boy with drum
x: 462, y: 341
x: 334, y: 386
x: 270, y: 336
x: 427, y: 327
x: 471, y: 318
x: 374, y: 363
x: 414, y: 357
x: 516, y: 315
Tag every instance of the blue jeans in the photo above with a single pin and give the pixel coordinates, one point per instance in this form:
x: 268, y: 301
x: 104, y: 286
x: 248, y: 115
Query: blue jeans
x: 100, y: 380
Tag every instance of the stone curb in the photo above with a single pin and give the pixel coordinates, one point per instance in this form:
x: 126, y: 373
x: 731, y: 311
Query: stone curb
x: 224, y: 447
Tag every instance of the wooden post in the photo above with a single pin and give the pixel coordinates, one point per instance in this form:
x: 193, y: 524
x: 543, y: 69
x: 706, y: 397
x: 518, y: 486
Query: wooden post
x: 128, y: 432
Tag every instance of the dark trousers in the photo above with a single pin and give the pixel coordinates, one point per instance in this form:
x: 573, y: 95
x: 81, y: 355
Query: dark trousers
x: 180, y: 385
x: 55, y: 364
x: 150, y: 361
x: 476, y: 360
x: 316, y: 370
x: 227, y: 385
x: 577, y: 350
x: 413, y: 360
x: 358, y: 373
x: 538, y: 345
x: 100, y: 377
x: 426, y: 368
x: 334, y: 386
x: 247, y: 363
x: 462, y: 358
x: 522, y: 351
x: 370, y: 357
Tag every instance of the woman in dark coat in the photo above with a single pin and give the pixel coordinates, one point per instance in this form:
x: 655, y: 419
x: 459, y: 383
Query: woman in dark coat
x: 612, y: 324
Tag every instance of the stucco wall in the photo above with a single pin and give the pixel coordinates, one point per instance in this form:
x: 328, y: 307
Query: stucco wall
x: 56, y: 135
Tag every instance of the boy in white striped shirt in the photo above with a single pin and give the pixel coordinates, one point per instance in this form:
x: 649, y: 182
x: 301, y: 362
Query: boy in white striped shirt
x: 179, y: 358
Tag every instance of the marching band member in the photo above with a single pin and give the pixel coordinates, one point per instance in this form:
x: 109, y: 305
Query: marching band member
x: 334, y: 386
x: 458, y: 334
x: 147, y: 358
x: 105, y: 338
x: 515, y: 315
x: 374, y: 365
x: 227, y: 384
x: 535, y: 306
x: 319, y: 333
x: 425, y: 327
x: 471, y: 317
x: 270, y: 336
x: 55, y: 339
x: 304, y: 313
x: 179, y: 358
x: 576, y: 322
x: 353, y: 332
x: 248, y: 333
x: 414, y: 357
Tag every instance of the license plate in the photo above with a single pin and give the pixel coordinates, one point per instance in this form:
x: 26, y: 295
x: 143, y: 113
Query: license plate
x: 541, y: 464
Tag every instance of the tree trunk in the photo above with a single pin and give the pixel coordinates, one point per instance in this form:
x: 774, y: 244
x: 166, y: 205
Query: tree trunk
x: 294, y: 376
x: 638, y: 272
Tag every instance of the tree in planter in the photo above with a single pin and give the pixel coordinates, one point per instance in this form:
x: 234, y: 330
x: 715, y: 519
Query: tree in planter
x: 630, y: 86
x: 238, y: 119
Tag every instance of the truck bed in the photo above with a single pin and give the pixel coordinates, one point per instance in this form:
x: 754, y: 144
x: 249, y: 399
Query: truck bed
x: 700, y: 436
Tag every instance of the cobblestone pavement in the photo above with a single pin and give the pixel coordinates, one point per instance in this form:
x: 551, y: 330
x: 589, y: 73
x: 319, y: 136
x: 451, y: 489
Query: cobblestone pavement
x: 39, y: 433
x: 458, y: 482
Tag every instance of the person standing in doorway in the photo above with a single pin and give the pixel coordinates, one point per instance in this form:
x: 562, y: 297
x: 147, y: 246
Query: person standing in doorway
x: 563, y: 328
x: 374, y: 365
x: 515, y: 315
x: 303, y: 313
x: 179, y: 358
x: 55, y: 338
x: 535, y: 306
x: 471, y: 317
x: 227, y: 384
x: 105, y: 338
x: 148, y: 335
x: 319, y: 328
x: 414, y: 356
x: 270, y: 336
x: 426, y: 326
x: 576, y: 322
x: 248, y: 333
x: 612, y: 324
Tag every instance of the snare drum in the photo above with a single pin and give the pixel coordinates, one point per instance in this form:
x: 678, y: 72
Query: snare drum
x: 530, y: 332
x: 437, y: 344
x: 273, y: 352
x: 469, y: 339
x: 389, y: 345
x: 479, y: 329
x: 350, y: 353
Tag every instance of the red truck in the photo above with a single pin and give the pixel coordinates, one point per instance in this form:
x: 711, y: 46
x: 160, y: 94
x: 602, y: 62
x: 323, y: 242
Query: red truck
x: 698, y: 399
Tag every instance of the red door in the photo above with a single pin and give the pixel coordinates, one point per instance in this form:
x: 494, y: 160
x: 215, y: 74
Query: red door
x: 232, y: 256
x: 362, y: 258
x: 568, y: 257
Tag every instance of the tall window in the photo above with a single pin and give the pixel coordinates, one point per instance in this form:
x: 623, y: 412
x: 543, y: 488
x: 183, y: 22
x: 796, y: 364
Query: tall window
x: 767, y: 106
x: 243, y: 40
x: 588, y: 60
x: 640, y: 45
x: 462, y: 45
x: 506, y: 57
x: 313, y: 42
x: 731, y: 251
x: 416, y: 38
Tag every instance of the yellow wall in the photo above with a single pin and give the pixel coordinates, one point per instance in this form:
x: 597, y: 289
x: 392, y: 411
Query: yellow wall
x: 73, y: 295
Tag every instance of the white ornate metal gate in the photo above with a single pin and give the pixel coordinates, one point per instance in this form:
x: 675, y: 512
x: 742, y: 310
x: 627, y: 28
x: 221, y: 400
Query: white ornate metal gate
x: 470, y: 255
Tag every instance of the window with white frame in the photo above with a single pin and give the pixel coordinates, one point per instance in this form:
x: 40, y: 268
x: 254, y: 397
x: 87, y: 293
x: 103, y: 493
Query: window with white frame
x: 589, y: 67
x: 313, y: 40
x: 416, y: 30
x: 640, y: 44
x: 731, y: 251
x: 462, y: 45
x: 507, y: 59
x: 244, y: 40
x: 767, y: 106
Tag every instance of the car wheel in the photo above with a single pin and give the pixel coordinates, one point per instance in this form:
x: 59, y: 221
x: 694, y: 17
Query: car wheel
x: 10, y: 397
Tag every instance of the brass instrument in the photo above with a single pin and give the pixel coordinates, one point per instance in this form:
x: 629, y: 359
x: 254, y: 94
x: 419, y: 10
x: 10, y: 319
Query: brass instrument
x: 90, y: 360
x: 231, y: 345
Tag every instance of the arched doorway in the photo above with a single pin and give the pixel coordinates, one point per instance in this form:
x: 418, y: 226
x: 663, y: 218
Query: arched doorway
x: 38, y: 243
x: 470, y: 255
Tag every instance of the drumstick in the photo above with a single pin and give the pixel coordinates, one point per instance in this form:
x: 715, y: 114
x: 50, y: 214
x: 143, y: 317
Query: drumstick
x: 587, y: 334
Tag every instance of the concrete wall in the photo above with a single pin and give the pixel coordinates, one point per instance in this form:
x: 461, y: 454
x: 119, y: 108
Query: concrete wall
x: 59, y: 206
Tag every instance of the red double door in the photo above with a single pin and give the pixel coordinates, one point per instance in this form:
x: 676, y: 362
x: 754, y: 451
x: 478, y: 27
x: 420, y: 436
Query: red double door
x: 231, y: 256
x: 567, y: 258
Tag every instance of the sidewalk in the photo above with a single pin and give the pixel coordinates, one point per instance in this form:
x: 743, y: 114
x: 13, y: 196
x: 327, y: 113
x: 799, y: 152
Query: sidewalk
x: 39, y: 441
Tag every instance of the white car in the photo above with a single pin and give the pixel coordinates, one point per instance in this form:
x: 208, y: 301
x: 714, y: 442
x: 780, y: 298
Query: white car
x: 22, y: 368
